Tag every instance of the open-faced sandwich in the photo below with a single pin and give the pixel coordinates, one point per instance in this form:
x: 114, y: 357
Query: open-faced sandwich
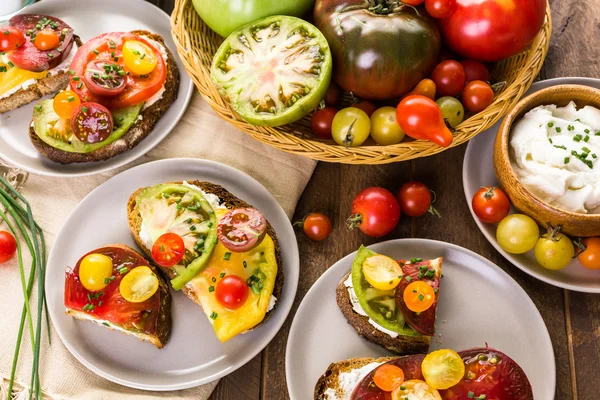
x: 391, y: 303
x: 478, y: 374
x: 215, y: 247
x: 116, y: 287
x: 35, y: 54
x: 120, y: 84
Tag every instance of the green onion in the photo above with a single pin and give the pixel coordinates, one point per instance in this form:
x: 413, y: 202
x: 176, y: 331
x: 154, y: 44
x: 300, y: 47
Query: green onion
x: 211, y: 288
x: 222, y: 275
x: 550, y: 124
x: 123, y: 270
x: 214, y: 315
x: 38, y: 107
x: 84, y: 109
x: 10, y: 64
x: 76, y: 78
x: 245, y: 264
x: 471, y: 395
x: 567, y: 159
x: 71, y: 72
x: 79, y: 86
x: 585, y: 150
x: 415, y: 260
x: 71, y: 99
x: 96, y: 52
x: 227, y: 256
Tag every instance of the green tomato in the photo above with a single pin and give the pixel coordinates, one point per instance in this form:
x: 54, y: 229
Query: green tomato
x: 517, y: 233
x: 452, y: 110
x: 225, y: 16
x: 273, y: 71
x: 351, y: 127
x: 385, y: 130
x: 554, y: 250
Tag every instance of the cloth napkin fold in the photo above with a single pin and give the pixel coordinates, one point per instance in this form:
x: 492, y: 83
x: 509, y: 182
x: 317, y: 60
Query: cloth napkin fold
x: 200, y: 134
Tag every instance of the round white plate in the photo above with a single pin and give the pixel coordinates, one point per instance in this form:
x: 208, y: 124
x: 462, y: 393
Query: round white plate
x: 478, y: 171
x: 479, y: 303
x: 193, y: 355
x: 90, y: 18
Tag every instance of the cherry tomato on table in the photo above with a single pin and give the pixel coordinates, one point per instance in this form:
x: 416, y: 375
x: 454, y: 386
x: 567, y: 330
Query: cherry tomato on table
x: 590, y: 257
x: 475, y: 71
x: 375, y: 211
x: 384, y: 127
x: 449, y: 77
x: 351, y: 127
x: 415, y: 199
x: 322, y: 120
x: 8, y: 246
x: 65, y: 103
x: 46, y: 39
x: 490, y: 204
x: 232, y: 292
x: 316, y: 226
x: 421, y: 118
x: 242, y: 229
x: 388, y: 377
x: 440, y: 8
x: 11, y: 38
x: 477, y: 96
x: 168, y: 249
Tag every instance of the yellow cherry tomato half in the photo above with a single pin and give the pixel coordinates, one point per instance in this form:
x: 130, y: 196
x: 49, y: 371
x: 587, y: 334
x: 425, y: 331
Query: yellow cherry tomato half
x: 46, y: 39
x: 65, y: 103
x: 382, y: 272
x: 388, y: 377
x: 138, y: 57
x: 139, y: 284
x: 415, y: 389
x: 419, y: 296
x: 443, y: 369
x: 93, y: 270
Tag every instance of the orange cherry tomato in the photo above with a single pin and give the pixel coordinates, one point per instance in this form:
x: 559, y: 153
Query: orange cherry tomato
x: 46, y: 39
x: 388, y: 377
x: 421, y: 118
x: 477, y: 96
x: 317, y: 226
x: 65, y: 103
x: 11, y: 38
x: 590, y: 257
x: 425, y: 88
x: 419, y: 296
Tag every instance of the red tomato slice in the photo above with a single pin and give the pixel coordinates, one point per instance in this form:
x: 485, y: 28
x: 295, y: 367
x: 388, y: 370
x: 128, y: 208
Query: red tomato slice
x: 168, y: 249
x: 232, y: 292
x: 105, y: 78
x: 242, y: 229
x: 91, y: 122
x: 137, y: 89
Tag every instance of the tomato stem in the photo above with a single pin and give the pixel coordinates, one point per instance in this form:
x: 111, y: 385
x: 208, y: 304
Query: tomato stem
x: 580, y: 246
x: 354, y: 221
x: 490, y: 193
x: 349, y: 139
x: 433, y: 211
x: 552, y: 232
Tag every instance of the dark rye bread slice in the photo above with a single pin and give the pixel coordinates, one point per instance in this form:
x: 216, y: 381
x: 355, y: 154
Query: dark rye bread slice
x: 229, y: 201
x: 401, y: 345
x: 136, y: 133
x: 52, y: 83
x: 330, y: 379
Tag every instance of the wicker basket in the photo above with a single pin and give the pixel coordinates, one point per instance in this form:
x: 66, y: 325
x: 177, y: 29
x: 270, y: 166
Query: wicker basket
x: 197, y: 43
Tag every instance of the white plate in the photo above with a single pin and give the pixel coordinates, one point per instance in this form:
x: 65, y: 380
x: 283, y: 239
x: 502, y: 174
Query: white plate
x: 193, y: 355
x: 479, y: 303
x: 478, y: 171
x: 90, y: 18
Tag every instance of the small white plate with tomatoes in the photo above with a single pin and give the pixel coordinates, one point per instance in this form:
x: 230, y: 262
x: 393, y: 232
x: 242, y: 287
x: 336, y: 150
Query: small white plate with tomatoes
x: 89, y: 19
x: 478, y: 172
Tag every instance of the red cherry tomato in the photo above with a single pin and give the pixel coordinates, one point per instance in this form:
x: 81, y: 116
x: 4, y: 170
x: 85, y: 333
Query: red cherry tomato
x: 232, y: 292
x: 477, y: 96
x: 375, y: 211
x: 440, y: 8
x: 412, y: 2
x: 8, y: 246
x: 449, y: 78
x: 388, y: 377
x: 590, y: 257
x: 46, y: 39
x: 11, y: 38
x: 475, y: 71
x: 322, y: 120
x: 414, y: 199
x: 421, y: 118
x: 490, y: 204
x: 242, y: 229
x: 103, y: 81
x: 366, y: 106
x: 91, y: 122
x: 317, y: 226
x: 168, y: 249
x: 333, y: 94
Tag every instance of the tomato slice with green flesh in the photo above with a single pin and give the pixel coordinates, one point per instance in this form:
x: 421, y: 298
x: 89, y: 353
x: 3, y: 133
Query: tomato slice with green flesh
x: 137, y: 88
x: 242, y: 229
x: 168, y: 249
x: 91, y: 123
x: 274, y: 71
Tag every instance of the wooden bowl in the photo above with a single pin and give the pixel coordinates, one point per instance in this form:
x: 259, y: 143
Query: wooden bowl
x: 573, y: 224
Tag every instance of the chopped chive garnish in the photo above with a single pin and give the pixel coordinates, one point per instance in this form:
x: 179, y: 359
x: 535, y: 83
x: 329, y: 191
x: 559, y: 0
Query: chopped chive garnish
x: 415, y: 260
x: 408, y: 279
x: 567, y: 159
x: 586, y: 130
x: 10, y: 64
x: 558, y: 129
x: 84, y: 109
x: 421, y: 297
x: 227, y: 256
x: 560, y: 147
x: 142, y: 57
x: 71, y: 72
x: 550, y: 124
x: 76, y: 78
x: 245, y: 264
x: 586, y: 138
x: 577, y: 138
x: 71, y: 99
x: 211, y: 288
x: 585, y: 150
x: 96, y: 52
x: 123, y: 270
x: 38, y: 107
x: 214, y: 315
x: 105, y: 324
x: 214, y: 279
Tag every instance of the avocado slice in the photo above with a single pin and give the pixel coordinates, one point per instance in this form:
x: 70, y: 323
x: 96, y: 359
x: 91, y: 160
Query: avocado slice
x: 380, y: 305
x: 56, y: 133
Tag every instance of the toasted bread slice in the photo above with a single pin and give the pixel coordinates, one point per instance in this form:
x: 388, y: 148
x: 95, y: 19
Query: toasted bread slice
x: 51, y: 84
x: 231, y: 202
x: 329, y: 382
x: 163, y: 327
x: 138, y: 131
x: 400, y: 345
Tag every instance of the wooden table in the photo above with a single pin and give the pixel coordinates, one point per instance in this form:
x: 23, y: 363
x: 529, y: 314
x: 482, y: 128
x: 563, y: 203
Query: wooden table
x: 573, y: 319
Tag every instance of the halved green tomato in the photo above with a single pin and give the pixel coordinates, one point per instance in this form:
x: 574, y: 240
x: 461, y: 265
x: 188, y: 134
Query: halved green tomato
x: 274, y: 71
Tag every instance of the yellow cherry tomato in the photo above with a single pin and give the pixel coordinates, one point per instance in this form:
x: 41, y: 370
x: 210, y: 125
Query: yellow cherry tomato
x: 46, y: 39
x: 93, y: 271
x: 415, y: 389
x: 138, y: 57
x: 419, y: 296
x: 139, y: 284
x: 382, y: 272
x: 65, y: 103
x: 443, y: 369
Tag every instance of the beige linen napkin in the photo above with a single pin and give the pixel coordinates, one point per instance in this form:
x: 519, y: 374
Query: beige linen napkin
x: 199, y: 134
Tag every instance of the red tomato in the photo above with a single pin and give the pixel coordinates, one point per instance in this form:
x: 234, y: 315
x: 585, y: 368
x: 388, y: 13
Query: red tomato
x: 475, y: 71
x: 322, y: 120
x: 413, y: 2
x: 103, y: 82
x: 366, y: 106
x: 11, y: 38
x: 232, y: 292
x: 388, y: 377
x: 490, y: 204
x: 421, y: 118
x: 477, y: 96
x: 46, y: 39
x: 168, y: 249
x: 317, y: 226
x: 440, y: 8
x: 8, y: 246
x: 414, y: 199
x: 332, y: 96
x: 449, y: 78
x: 91, y: 122
x: 590, y: 257
x: 375, y: 211
x: 242, y: 229
x: 490, y: 30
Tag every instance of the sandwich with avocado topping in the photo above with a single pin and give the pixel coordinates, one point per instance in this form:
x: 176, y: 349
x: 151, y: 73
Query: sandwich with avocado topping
x: 222, y: 253
x: 391, y: 303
